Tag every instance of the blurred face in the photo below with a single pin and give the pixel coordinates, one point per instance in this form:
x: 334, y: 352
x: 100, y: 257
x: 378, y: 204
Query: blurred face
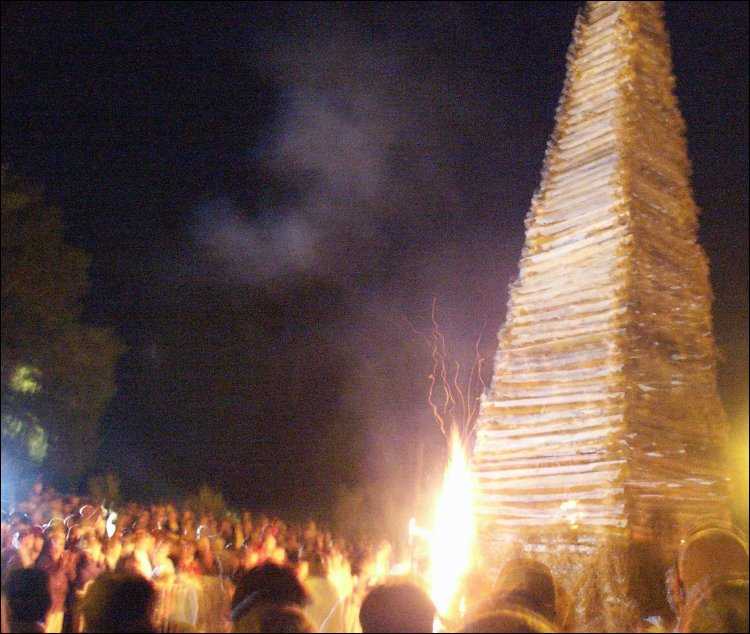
x: 162, y: 550
x: 303, y: 569
x: 269, y: 545
x: 27, y: 544
x: 57, y: 545
x: 250, y: 559
x: 114, y: 548
x: 94, y: 549
x: 204, y: 545
x: 187, y: 553
x: 143, y: 520
x: 278, y: 556
x: 128, y: 545
x: 100, y: 528
x: 142, y: 540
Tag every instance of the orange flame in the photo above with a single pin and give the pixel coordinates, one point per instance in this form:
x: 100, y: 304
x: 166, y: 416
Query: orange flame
x: 452, y: 537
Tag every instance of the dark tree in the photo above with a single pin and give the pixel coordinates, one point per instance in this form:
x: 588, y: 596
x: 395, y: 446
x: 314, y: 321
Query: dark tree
x: 58, y: 373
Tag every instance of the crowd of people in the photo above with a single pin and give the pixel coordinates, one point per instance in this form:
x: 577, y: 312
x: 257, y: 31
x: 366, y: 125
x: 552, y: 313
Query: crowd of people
x: 71, y: 565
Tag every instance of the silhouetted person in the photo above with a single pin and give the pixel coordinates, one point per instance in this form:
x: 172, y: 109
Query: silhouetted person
x: 707, y: 554
x: 528, y: 584
x: 325, y: 610
x: 117, y: 602
x: 263, y: 587
x: 28, y: 599
x: 284, y: 619
x: 718, y: 606
x: 57, y: 563
x: 510, y: 619
x: 399, y: 607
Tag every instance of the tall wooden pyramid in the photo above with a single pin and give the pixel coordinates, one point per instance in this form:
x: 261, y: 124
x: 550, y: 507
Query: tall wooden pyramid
x: 603, y: 420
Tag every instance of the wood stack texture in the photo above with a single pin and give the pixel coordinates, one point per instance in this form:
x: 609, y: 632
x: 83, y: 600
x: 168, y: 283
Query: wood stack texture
x: 603, y: 420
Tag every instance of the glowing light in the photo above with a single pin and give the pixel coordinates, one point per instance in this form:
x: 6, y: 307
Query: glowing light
x: 400, y: 569
x: 340, y: 575
x: 25, y: 380
x: 31, y: 433
x: 569, y: 512
x: 417, y: 531
x: 37, y: 443
x: 111, y: 525
x: 453, y: 534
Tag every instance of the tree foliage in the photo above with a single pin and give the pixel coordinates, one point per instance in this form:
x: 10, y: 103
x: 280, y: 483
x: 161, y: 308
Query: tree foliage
x: 58, y: 373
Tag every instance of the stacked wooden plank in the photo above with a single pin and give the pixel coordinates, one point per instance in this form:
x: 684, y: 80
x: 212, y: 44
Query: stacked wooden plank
x: 603, y: 417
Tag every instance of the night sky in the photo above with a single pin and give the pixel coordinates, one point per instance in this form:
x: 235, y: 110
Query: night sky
x: 273, y: 194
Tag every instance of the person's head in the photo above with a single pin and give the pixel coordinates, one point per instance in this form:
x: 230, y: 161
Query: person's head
x: 269, y: 544
x: 128, y: 564
x: 278, y: 556
x: 268, y: 584
x: 144, y: 541
x: 719, y: 607
x: 317, y: 566
x: 709, y: 553
x: 92, y: 547
x: 510, y: 619
x: 27, y: 593
x: 75, y: 532
x: 112, y: 552
x: 117, y: 602
x: 24, y: 541
x: 527, y: 584
x: 89, y: 514
x: 143, y: 520
x: 54, y: 545
x: 19, y: 521
x: 249, y: 558
x: 38, y: 533
x: 284, y: 619
x: 303, y: 569
x: 399, y: 607
x: 162, y: 550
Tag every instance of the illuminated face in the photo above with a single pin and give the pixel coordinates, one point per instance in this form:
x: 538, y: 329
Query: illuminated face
x: 187, y: 553
x: 249, y: 559
x: 278, y: 556
x: 303, y: 569
x: 269, y: 545
x: 162, y: 550
x: 27, y: 543
x: 57, y: 545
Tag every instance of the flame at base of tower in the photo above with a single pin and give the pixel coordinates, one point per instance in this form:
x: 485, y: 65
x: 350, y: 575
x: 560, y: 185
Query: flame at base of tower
x: 452, y: 538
